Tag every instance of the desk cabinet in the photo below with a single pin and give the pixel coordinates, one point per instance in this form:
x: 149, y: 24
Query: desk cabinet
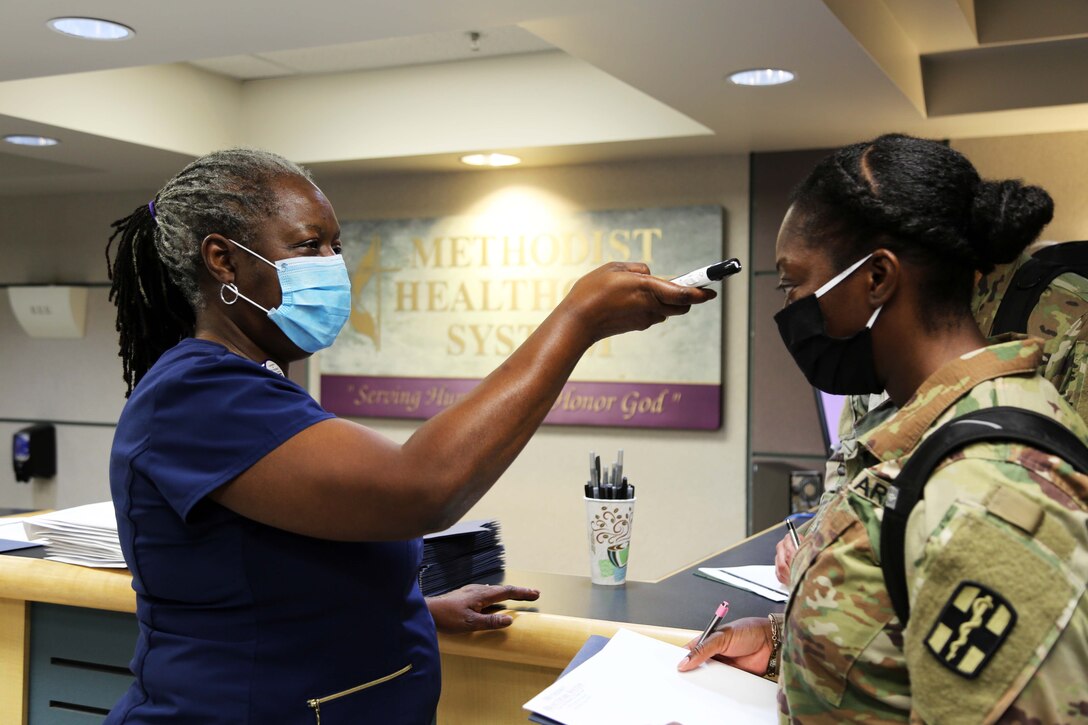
x: 67, y: 634
x: 78, y: 663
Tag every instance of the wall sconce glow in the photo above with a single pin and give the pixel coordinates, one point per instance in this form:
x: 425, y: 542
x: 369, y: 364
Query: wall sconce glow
x: 490, y: 160
x: 91, y: 28
x: 761, y: 77
x: 20, y: 139
x: 521, y: 209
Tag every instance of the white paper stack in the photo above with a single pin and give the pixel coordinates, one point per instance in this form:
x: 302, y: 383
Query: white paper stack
x: 84, y: 535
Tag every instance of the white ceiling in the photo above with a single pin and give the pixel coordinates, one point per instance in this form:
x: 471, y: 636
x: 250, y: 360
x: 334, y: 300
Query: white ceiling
x: 395, y: 84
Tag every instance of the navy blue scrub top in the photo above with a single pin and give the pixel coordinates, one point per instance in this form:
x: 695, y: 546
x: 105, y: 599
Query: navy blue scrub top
x: 241, y: 622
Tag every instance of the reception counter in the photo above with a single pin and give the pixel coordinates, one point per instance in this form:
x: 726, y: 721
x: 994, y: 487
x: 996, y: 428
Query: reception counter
x: 66, y: 633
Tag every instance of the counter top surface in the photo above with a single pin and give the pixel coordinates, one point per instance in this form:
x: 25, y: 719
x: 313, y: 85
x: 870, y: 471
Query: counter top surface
x: 546, y: 633
x: 682, y: 600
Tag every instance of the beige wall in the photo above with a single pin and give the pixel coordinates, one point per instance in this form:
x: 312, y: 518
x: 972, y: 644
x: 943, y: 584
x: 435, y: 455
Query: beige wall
x: 691, y: 484
x: 1057, y: 162
x: 75, y: 383
x: 691, y: 494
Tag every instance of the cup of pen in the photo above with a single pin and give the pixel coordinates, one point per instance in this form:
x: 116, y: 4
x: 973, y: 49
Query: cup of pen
x: 608, y: 522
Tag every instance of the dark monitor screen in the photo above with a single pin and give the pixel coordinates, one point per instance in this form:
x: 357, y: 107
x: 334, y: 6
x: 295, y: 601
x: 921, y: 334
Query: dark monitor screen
x: 829, y: 407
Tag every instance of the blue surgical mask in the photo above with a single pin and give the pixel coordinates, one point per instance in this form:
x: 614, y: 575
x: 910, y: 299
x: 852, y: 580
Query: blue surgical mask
x: 315, y: 298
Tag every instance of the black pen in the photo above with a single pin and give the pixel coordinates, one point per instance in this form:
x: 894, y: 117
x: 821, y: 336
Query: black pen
x: 793, y: 533
x: 719, y: 615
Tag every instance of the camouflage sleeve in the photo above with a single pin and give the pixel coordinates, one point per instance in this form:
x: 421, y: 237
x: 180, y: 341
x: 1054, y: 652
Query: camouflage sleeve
x: 1060, y: 319
x: 1066, y: 365
x: 997, y: 564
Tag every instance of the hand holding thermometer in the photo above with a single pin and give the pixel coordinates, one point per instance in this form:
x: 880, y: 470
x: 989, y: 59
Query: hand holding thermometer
x: 708, y: 275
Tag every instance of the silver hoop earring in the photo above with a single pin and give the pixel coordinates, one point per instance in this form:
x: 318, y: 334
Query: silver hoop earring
x: 233, y: 288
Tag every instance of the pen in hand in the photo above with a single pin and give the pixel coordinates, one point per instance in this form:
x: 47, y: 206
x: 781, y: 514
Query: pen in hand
x: 793, y: 533
x: 719, y: 615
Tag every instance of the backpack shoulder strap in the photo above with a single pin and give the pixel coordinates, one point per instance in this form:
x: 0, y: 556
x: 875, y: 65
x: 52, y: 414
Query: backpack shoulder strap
x: 1000, y: 424
x: 1034, y: 276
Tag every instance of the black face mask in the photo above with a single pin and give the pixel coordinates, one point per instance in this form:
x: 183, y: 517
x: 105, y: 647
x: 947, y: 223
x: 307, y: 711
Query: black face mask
x: 838, y: 365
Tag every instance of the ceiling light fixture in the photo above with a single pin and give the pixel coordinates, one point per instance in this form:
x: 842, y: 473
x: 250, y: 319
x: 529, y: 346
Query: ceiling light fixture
x: 22, y: 139
x: 91, y: 28
x: 761, y: 77
x: 490, y: 160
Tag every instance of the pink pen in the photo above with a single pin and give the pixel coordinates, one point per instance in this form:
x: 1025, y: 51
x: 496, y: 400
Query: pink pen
x: 719, y: 615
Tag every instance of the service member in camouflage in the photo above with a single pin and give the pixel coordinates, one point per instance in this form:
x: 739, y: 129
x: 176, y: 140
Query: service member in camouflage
x: 997, y: 552
x: 1059, y: 318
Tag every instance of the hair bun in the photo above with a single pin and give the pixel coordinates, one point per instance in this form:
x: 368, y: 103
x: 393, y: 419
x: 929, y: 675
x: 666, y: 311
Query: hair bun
x: 1007, y: 216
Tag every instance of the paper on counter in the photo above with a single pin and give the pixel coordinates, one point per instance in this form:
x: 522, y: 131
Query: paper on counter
x: 13, y: 531
x: 83, y: 535
x: 758, y: 579
x: 634, y: 681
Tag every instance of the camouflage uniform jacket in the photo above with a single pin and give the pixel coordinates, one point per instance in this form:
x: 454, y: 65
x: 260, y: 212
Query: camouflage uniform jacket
x: 1060, y: 318
x: 860, y: 414
x: 1001, y: 534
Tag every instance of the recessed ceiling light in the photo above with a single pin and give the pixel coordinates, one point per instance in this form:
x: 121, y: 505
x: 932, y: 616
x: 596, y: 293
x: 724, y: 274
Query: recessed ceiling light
x: 490, y: 160
x: 91, y: 28
x: 20, y: 139
x: 761, y: 77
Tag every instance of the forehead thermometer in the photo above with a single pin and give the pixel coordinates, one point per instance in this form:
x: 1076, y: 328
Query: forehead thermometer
x: 709, y: 274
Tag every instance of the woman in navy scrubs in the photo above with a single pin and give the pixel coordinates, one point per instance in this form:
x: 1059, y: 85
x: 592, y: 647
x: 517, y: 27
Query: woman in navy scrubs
x: 275, y: 548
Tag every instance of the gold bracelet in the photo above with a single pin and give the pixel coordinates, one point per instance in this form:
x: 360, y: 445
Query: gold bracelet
x: 776, y: 645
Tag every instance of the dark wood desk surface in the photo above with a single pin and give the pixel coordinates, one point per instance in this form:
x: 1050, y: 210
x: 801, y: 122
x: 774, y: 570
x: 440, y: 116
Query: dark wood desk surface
x: 682, y: 600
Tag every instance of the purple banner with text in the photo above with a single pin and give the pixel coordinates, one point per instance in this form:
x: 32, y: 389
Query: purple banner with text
x: 632, y: 405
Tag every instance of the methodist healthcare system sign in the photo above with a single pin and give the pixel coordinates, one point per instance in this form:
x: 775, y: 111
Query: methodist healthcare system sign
x: 439, y: 303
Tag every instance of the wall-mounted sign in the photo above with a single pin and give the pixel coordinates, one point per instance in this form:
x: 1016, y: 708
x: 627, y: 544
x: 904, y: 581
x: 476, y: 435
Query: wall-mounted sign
x: 439, y: 303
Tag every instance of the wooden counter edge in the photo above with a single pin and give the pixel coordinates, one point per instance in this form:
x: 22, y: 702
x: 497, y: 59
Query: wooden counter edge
x: 38, y: 580
x: 546, y: 640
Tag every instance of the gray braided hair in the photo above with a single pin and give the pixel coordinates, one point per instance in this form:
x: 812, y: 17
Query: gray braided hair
x: 225, y: 192
x: 156, y: 270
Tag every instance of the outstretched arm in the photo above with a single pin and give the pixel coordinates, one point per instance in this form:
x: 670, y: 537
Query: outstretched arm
x: 340, y: 480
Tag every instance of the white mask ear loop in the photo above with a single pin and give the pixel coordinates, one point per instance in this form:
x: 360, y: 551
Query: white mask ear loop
x: 242, y: 246
x: 234, y: 288
x: 841, y: 276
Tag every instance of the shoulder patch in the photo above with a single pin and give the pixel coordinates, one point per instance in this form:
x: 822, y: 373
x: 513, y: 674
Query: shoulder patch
x: 972, y: 626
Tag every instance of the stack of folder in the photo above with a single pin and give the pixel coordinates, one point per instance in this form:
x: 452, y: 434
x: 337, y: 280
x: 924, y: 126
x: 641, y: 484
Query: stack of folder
x: 460, y: 555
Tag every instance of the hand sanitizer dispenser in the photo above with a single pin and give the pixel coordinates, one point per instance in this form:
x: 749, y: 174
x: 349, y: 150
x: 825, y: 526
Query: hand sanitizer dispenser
x: 34, y: 452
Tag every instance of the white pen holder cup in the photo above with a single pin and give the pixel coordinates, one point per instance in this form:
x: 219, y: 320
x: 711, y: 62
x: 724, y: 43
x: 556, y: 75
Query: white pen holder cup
x: 608, y: 523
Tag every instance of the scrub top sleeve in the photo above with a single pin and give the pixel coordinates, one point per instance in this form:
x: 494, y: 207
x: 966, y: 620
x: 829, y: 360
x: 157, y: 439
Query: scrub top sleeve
x: 214, y: 420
